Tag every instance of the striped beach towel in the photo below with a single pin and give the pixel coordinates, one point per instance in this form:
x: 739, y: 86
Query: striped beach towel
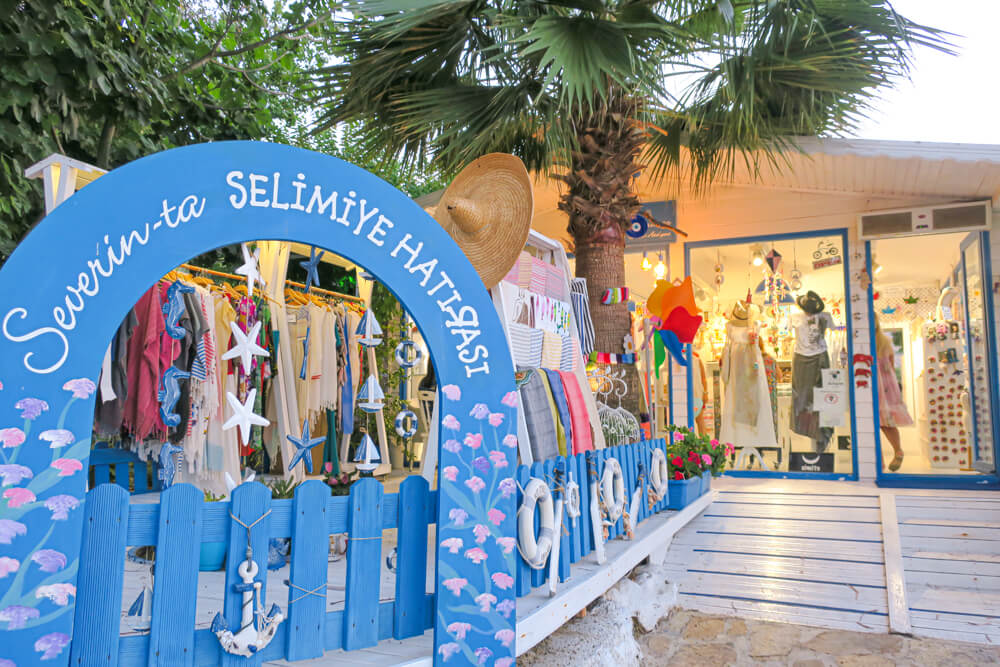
x: 525, y: 345
x: 581, y: 307
x: 551, y: 350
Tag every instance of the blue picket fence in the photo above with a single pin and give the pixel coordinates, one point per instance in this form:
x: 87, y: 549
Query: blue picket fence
x: 182, y: 520
x: 124, y: 468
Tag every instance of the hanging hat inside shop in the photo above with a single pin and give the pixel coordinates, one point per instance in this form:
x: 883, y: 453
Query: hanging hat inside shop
x: 811, y: 303
x: 487, y: 209
x: 743, y: 312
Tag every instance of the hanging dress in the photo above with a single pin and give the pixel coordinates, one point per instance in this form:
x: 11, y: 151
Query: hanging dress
x: 746, y: 416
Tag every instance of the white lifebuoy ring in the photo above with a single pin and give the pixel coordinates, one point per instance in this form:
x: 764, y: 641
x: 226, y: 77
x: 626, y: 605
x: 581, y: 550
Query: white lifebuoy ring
x: 572, y: 498
x: 658, y: 473
x: 535, y: 551
x: 613, y: 489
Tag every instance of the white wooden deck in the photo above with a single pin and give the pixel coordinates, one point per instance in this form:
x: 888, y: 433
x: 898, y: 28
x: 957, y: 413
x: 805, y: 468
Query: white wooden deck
x: 846, y: 556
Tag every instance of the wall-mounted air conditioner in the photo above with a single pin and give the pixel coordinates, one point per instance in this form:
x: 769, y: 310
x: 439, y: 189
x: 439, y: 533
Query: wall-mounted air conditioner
x: 964, y: 217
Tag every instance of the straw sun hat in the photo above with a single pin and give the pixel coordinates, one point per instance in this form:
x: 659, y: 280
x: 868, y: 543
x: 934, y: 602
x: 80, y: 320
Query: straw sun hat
x: 487, y: 210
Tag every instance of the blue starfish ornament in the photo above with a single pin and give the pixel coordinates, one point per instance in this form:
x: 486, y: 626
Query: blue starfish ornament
x: 311, y: 266
x: 304, y: 445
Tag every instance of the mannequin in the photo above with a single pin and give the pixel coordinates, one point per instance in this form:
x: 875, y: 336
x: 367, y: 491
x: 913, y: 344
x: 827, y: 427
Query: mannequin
x: 811, y: 358
x: 746, y: 415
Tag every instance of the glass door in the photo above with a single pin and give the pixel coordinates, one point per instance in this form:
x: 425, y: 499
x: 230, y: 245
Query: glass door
x: 980, y: 404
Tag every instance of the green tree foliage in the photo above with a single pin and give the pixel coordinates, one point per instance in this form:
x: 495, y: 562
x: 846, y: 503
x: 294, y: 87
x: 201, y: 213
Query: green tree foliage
x: 108, y: 81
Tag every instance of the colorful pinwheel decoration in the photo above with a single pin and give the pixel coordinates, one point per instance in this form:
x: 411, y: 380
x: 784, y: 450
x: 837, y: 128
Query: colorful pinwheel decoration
x: 676, y: 317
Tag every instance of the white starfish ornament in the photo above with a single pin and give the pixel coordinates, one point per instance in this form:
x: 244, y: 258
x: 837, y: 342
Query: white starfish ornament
x: 250, y: 268
x: 246, y: 347
x: 243, y: 415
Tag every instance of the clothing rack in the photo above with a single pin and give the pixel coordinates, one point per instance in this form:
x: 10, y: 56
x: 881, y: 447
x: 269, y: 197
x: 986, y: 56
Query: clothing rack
x: 232, y: 276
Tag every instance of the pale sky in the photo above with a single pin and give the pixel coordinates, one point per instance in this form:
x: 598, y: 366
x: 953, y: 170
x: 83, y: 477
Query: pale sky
x: 950, y: 98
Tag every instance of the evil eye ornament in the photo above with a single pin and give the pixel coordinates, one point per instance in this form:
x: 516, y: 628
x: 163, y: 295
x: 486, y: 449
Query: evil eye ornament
x: 638, y: 228
x: 403, y: 354
x: 719, y: 279
x: 406, y: 424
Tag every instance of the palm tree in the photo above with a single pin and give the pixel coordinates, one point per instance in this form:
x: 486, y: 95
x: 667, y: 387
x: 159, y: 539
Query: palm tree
x: 596, y: 91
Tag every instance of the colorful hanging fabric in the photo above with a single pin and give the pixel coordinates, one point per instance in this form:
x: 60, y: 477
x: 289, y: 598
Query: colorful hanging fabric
x: 614, y: 295
x: 610, y: 358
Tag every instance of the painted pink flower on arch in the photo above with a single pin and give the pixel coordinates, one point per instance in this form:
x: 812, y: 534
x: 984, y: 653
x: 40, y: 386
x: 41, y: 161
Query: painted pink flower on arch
x: 17, y: 616
x: 458, y: 515
x: 510, y: 440
x: 498, y: 458
x: 483, y: 655
x: 510, y: 399
x: 496, y: 419
x: 452, y: 392
x: 448, y: 650
x: 11, y: 437
x: 486, y: 602
x: 473, y: 440
x: 8, y: 565
x: 479, y: 411
x: 81, y: 387
x: 453, y: 446
x: 459, y: 629
x: 9, y: 529
x: 503, y: 662
x: 507, y: 487
x: 505, y: 637
x: 13, y: 473
x: 475, y: 483
x: 51, y: 645
x: 506, y: 607
x: 476, y: 555
x: 450, y: 473
x: 18, y: 496
x: 452, y: 544
x: 481, y: 532
x: 450, y: 423
x: 49, y: 560
x: 57, y: 437
x: 31, y: 408
x: 507, y: 543
x: 67, y: 467
x: 57, y: 593
x: 496, y: 516
x: 61, y: 505
x: 455, y: 585
x: 502, y: 580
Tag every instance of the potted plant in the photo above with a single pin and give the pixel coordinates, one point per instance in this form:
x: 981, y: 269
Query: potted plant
x: 213, y: 554
x: 685, y: 466
x: 340, y: 485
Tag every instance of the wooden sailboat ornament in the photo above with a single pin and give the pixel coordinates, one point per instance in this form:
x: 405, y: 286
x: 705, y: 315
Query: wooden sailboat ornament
x: 371, y: 396
x: 369, y: 330
x: 367, y: 456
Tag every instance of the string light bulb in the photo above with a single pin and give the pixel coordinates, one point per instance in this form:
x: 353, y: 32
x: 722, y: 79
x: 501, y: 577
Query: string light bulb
x: 757, y: 255
x: 660, y: 269
x: 646, y: 265
x: 876, y: 267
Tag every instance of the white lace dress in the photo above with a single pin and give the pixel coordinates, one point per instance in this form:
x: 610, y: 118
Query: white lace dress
x: 746, y: 413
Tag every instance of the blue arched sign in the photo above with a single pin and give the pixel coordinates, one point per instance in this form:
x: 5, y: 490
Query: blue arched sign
x: 67, y: 286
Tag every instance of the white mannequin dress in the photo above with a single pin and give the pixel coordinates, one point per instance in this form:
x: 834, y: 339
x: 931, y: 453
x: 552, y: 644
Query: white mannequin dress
x: 747, y: 420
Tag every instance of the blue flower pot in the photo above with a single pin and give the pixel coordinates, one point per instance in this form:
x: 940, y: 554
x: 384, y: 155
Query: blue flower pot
x: 683, y: 492
x: 706, y: 482
x: 213, y: 556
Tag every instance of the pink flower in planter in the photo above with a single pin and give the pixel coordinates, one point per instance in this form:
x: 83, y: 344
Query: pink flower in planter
x: 476, y: 484
x: 486, y: 602
x: 459, y: 629
x: 458, y: 515
x: 13, y: 473
x: 730, y: 449
x: 505, y: 637
x: 57, y: 437
x: 481, y: 532
x: 505, y: 608
x: 678, y: 436
x: 510, y: 440
x: 474, y: 440
x: 452, y: 392
x: 499, y: 459
x: 18, y: 496
x: 453, y: 446
x: 8, y: 565
x: 81, y: 387
x: 495, y: 419
x: 450, y: 473
x: 507, y: 544
x: 714, y: 443
x: 67, y: 467
x: 57, y: 593
x: 451, y: 423
x: 11, y: 437
x: 502, y: 580
x: 509, y: 399
x: 448, y: 650
x: 452, y: 544
x: 507, y: 487
x: 476, y: 555
x: 479, y: 411
x: 455, y: 585
x: 496, y: 516
x: 328, y: 467
x: 706, y: 459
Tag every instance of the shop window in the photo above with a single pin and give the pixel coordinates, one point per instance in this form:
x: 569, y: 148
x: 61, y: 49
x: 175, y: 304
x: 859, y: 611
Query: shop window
x: 933, y: 355
x: 770, y: 369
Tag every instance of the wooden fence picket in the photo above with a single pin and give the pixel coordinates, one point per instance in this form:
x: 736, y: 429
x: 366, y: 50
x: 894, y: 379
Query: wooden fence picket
x: 307, y: 574
x: 561, y: 534
x: 97, y: 616
x: 538, y: 577
x: 364, y: 565
x: 411, y: 558
x: 586, y: 530
x: 175, y: 586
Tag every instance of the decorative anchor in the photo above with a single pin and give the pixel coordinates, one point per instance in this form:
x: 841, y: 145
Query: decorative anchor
x: 257, y: 629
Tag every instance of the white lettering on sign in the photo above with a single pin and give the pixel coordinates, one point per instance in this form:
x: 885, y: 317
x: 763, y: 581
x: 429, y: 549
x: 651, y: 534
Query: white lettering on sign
x: 357, y: 215
x: 88, y: 282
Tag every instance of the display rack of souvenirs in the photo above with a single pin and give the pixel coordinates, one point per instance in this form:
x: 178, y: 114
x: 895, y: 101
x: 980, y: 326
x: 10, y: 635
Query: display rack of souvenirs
x: 946, y: 395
